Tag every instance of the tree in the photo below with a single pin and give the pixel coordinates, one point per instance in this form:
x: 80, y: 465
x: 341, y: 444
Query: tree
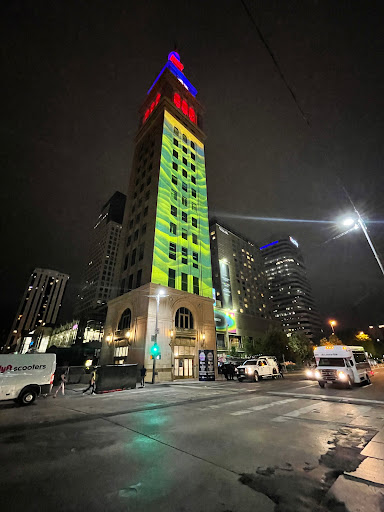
x: 275, y: 343
x: 366, y: 341
x: 300, y: 346
x: 332, y: 340
x: 252, y: 346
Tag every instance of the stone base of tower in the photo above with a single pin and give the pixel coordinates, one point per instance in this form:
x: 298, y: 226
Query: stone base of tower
x: 186, y: 325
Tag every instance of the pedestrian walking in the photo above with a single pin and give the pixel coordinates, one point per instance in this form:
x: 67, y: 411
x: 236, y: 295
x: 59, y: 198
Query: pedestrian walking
x: 63, y: 381
x: 92, y: 383
x: 280, y: 366
x: 225, y: 371
x: 231, y: 371
x: 143, y: 373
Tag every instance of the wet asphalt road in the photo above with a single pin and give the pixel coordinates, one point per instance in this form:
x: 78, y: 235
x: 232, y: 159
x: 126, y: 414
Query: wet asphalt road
x: 217, y: 447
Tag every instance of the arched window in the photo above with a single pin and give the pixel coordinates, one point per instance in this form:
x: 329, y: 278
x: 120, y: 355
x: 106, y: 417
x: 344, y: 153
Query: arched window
x: 184, y: 319
x: 125, y: 320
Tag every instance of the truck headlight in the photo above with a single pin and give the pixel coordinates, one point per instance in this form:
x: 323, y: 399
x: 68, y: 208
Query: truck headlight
x: 317, y: 374
x: 249, y: 370
x: 341, y: 375
x: 309, y: 373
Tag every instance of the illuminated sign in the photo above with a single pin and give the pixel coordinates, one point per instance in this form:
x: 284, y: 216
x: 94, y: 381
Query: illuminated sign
x: 269, y: 245
x: 154, y: 104
x: 176, y: 67
x: 225, y: 321
x: 225, y: 284
x: 293, y: 241
x: 185, y: 108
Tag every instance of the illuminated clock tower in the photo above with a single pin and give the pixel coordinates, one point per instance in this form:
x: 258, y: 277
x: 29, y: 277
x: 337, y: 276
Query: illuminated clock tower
x: 165, y: 245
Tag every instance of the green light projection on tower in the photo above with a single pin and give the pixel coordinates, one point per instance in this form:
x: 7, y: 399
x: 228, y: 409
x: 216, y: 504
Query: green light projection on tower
x: 190, y: 257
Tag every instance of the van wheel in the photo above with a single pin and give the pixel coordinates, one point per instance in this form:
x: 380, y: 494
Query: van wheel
x: 321, y: 384
x: 256, y: 377
x: 27, y: 396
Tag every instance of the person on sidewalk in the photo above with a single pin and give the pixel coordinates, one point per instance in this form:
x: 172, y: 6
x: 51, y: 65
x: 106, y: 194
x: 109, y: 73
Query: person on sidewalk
x: 92, y: 383
x: 280, y: 366
x: 63, y: 381
x: 231, y: 371
x: 225, y: 371
x: 143, y: 373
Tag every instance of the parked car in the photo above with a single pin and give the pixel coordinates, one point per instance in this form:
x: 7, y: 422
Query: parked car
x: 256, y: 369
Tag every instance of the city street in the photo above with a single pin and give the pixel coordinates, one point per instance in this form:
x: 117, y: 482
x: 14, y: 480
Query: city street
x: 189, y: 446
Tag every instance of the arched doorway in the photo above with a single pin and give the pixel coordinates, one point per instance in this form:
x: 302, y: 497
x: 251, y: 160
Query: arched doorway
x: 123, y: 337
x: 184, y: 344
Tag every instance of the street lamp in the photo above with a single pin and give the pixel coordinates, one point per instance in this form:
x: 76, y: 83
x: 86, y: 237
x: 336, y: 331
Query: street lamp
x: 155, y: 349
x: 332, y: 323
x: 355, y: 223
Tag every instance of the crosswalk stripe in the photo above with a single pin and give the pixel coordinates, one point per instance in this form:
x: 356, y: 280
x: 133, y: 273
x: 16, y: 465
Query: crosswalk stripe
x: 263, y: 406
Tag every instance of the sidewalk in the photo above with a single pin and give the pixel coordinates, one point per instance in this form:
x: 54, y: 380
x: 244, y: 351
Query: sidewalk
x: 363, y: 489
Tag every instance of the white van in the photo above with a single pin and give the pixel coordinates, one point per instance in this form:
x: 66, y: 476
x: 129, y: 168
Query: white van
x: 25, y: 376
x: 343, y: 364
x: 256, y: 369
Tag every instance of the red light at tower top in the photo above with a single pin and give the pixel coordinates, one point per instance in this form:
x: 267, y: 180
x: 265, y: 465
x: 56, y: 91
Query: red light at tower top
x: 185, y: 108
x: 154, y: 104
x: 174, y: 57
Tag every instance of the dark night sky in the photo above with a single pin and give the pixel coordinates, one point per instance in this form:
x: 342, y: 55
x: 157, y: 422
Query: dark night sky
x: 75, y: 74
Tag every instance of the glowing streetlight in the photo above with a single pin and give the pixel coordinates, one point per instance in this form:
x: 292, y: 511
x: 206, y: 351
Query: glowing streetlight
x: 333, y: 323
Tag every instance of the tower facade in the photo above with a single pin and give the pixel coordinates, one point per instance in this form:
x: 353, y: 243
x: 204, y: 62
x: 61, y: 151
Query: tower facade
x: 289, y: 288
x: 39, y: 306
x: 165, y: 243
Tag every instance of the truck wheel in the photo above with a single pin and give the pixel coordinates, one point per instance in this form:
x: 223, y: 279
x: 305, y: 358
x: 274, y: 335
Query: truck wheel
x: 256, y: 377
x: 349, y: 383
x: 321, y: 384
x: 27, y: 396
x: 240, y: 379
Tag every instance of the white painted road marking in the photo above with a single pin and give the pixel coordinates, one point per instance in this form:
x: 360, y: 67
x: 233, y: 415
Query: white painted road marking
x: 329, y: 398
x: 261, y: 407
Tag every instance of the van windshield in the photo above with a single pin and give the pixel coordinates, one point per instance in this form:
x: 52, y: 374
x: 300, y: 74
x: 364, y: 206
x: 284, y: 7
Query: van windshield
x: 331, y: 361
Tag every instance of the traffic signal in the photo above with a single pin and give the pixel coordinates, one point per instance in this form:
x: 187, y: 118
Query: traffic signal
x: 155, y: 351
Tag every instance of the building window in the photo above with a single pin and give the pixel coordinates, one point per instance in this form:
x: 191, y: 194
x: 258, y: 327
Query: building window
x: 185, y: 139
x: 185, y: 161
x: 183, y: 318
x: 149, y: 180
x: 184, y: 201
x: 174, y: 194
x: 126, y: 262
x: 184, y: 234
x: 194, y: 238
x: 144, y: 229
x: 196, y: 288
x: 174, y: 179
x: 195, y: 256
x: 175, y: 153
x: 173, y: 210
x: 193, y: 167
x: 171, y: 277
x: 131, y: 224
x: 133, y: 257
x: 193, y: 206
x: 185, y: 149
x: 122, y: 287
x: 129, y: 240
x: 125, y: 320
x: 172, y: 251
x: 172, y: 228
x: 138, y: 278
x: 184, y: 282
x: 136, y: 235
x: 184, y: 217
x: 184, y: 255
x: 193, y: 145
x: 145, y: 211
x: 194, y: 222
x: 130, y: 281
x: 193, y: 156
x: 141, y: 252
x: 184, y: 187
x: 185, y: 174
x: 175, y: 142
x: 193, y: 179
x: 176, y: 131
x: 175, y: 166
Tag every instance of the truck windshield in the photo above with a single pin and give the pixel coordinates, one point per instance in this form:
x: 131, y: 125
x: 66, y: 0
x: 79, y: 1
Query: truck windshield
x: 331, y: 361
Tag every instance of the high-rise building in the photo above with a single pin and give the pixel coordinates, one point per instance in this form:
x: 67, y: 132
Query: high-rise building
x: 165, y: 240
x: 242, y: 298
x: 100, y: 271
x: 39, y: 306
x: 289, y: 288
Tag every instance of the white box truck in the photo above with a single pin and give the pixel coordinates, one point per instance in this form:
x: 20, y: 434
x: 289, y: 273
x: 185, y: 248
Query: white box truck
x: 23, y: 377
x: 344, y: 364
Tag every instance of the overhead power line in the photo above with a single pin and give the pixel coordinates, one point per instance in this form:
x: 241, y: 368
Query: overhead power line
x: 274, y: 59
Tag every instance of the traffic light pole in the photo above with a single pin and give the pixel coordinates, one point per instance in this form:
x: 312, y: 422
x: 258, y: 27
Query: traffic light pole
x: 156, y: 333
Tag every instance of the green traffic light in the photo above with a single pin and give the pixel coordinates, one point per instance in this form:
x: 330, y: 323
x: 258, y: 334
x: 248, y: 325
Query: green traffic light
x: 155, y: 349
